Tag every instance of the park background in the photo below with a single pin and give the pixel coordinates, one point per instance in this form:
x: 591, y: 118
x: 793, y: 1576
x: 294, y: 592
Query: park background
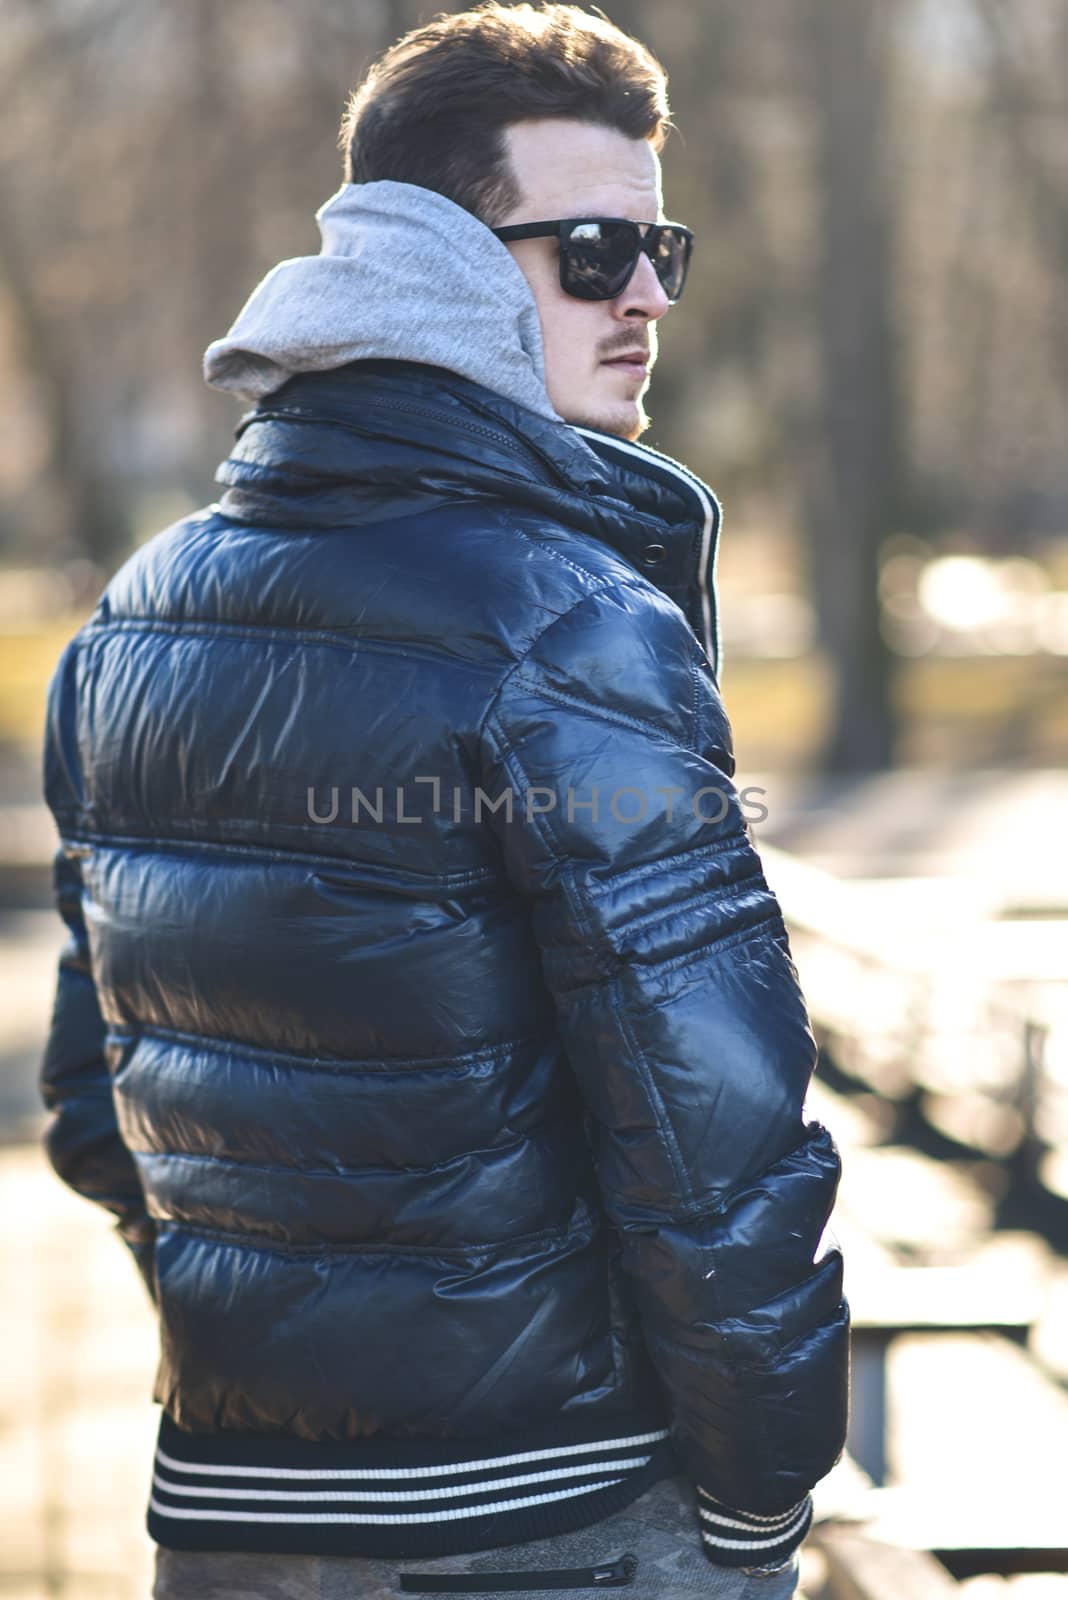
x: 870, y: 366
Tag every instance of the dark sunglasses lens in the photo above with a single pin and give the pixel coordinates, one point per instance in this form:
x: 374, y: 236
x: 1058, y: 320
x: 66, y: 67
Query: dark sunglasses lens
x: 599, y: 258
x: 671, y: 258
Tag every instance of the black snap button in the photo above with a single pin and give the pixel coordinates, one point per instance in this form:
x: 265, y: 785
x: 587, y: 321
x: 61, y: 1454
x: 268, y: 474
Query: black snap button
x: 653, y: 554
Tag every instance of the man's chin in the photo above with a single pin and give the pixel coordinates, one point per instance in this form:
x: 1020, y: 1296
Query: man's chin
x: 626, y: 421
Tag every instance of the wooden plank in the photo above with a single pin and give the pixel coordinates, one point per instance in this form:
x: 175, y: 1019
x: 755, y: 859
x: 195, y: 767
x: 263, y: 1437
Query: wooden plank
x: 924, y: 985
x: 905, y: 1199
x: 978, y: 1437
x: 969, y: 1297
x: 860, y: 1568
x: 1049, y: 1340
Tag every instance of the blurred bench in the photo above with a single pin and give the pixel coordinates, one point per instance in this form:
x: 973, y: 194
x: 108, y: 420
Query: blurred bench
x: 889, y: 1301
x: 926, y: 997
x: 940, y: 1308
x: 920, y: 1257
x: 858, y: 1568
x: 924, y: 989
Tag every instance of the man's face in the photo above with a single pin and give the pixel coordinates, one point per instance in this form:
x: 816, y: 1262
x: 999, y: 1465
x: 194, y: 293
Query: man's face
x: 580, y: 169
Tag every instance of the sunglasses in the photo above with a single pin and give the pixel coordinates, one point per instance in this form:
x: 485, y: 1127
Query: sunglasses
x: 599, y: 255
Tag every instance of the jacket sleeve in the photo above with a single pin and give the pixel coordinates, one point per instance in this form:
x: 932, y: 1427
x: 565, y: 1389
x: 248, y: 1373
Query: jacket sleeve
x: 666, y: 955
x: 82, y: 1140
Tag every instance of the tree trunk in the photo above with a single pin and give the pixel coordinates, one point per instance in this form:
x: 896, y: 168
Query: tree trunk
x: 853, y: 459
x: 94, y: 520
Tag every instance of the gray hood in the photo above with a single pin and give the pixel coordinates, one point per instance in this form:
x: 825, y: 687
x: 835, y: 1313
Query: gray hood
x: 403, y: 274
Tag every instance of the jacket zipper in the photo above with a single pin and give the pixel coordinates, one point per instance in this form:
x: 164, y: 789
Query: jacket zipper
x: 708, y: 617
x: 609, y: 1575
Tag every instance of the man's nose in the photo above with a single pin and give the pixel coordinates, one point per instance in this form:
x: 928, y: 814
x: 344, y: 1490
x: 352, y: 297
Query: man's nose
x: 644, y: 295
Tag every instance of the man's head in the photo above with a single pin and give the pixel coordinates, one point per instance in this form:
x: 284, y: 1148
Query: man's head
x: 525, y: 114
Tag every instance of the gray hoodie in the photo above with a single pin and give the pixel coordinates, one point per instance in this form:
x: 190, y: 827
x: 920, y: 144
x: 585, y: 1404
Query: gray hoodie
x: 403, y: 274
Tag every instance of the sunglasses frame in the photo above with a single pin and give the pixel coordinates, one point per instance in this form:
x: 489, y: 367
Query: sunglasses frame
x: 563, y: 227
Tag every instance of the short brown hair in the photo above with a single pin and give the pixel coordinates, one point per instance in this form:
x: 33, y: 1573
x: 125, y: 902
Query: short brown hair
x: 432, y: 110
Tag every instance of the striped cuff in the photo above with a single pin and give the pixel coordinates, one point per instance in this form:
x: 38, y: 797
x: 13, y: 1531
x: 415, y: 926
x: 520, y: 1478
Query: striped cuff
x: 744, y: 1539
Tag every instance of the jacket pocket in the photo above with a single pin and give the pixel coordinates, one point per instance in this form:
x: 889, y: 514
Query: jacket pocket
x: 610, y: 1575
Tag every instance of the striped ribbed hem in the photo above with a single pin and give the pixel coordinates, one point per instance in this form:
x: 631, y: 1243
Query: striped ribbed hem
x: 241, y: 1491
x: 743, y: 1539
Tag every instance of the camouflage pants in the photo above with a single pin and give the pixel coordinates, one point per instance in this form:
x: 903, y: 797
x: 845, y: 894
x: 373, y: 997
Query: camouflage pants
x: 659, y: 1529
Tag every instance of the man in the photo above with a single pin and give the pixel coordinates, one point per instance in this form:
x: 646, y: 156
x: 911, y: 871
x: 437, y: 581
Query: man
x: 427, y: 1020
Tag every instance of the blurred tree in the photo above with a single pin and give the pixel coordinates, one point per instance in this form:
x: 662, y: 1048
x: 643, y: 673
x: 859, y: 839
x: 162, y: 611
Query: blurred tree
x: 859, y: 353
x: 1024, y: 108
x: 86, y: 502
x: 85, y: 510
x: 853, y: 465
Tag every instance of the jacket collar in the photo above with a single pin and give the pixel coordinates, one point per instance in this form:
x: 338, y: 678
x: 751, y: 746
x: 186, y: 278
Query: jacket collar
x: 403, y: 429
x: 689, y: 546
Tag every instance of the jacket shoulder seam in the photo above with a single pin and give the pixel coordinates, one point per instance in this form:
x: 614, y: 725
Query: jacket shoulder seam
x: 604, y: 713
x: 597, y: 586
x: 491, y: 705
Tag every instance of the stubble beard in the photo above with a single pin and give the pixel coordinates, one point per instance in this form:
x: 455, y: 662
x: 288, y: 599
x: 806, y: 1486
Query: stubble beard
x: 624, y: 422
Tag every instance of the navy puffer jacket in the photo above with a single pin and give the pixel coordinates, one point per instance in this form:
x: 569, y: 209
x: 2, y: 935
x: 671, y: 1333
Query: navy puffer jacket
x: 427, y: 1020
